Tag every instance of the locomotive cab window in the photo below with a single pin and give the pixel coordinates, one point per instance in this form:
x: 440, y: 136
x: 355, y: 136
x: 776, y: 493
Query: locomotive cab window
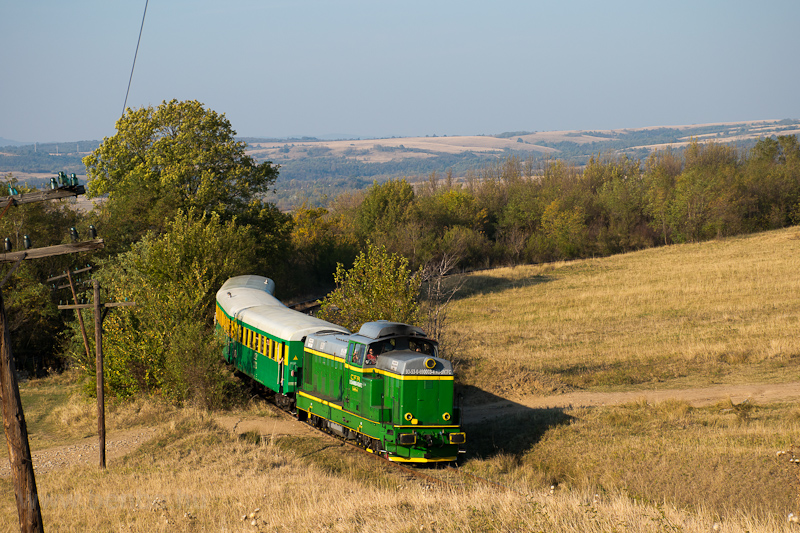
x: 355, y: 353
x: 422, y: 346
x: 383, y: 346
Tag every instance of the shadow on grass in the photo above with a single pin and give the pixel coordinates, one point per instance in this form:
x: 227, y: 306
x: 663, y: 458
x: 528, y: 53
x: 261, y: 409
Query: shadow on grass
x: 495, y: 425
x: 478, y: 284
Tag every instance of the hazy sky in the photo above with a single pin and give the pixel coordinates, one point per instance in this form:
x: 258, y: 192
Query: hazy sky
x: 378, y: 68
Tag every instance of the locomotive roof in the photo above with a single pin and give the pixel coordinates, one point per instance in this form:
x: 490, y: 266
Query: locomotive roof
x: 384, y: 328
x: 249, y: 298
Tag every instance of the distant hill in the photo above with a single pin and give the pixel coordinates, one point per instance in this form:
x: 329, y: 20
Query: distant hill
x: 9, y: 142
x: 313, y: 169
x: 573, y: 145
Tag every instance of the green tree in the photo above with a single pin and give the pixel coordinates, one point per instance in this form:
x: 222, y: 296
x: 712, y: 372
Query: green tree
x: 563, y: 235
x: 620, y: 201
x: 320, y: 240
x: 705, y: 204
x: 380, y: 286
x: 165, y: 345
x: 661, y: 172
x: 33, y: 319
x: 384, y: 210
x: 178, y: 155
x: 771, y: 184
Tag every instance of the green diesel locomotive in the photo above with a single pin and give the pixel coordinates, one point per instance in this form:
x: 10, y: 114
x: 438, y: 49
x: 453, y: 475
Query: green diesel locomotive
x: 384, y: 387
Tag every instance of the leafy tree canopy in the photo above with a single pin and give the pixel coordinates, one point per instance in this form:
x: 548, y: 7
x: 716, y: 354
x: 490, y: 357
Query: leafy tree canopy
x: 178, y: 155
x: 380, y: 286
x: 385, y: 208
x: 164, y: 345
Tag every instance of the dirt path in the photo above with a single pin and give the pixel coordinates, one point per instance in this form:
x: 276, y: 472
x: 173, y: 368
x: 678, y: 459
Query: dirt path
x: 697, y: 397
x: 119, y: 444
x: 85, y: 451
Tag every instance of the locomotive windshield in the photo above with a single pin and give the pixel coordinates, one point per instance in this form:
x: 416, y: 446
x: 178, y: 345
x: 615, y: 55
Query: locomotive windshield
x: 415, y: 345
x: 367, y: 355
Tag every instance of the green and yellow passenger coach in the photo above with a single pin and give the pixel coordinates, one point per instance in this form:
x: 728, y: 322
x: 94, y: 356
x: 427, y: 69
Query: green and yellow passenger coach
x: 384, y: 387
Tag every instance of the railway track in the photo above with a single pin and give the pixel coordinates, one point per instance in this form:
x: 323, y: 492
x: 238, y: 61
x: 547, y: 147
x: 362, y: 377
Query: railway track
x: 437, y: 475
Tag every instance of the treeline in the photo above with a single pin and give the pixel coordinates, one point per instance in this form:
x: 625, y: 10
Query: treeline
x: 517, y: 211
x: 317, y: 180
x: 316, y: 168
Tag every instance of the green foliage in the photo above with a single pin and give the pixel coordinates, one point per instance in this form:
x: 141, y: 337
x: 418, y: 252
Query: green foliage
x: 320, y: 241
x: 384, y: 209
x: 620, y: 206
x: 704, y: 204
x: 513, y: 211
x: 663, y: 168
x: 563, y: 232
x: 33, y: 319
x: 176, y: 156
x: 165, y: 345
x: 380, y: 286
x: 771, y: 184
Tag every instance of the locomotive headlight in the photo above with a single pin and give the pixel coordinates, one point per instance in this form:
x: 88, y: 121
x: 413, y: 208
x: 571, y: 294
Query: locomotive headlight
x: 408, y: 417
x: 446, y: 417
x: 407, y: 439
x: 430, y: 363
x: 457, y: 438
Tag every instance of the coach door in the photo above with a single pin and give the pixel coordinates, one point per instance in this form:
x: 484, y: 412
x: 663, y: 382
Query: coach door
x: 281, y: 357
x: 351, y: 377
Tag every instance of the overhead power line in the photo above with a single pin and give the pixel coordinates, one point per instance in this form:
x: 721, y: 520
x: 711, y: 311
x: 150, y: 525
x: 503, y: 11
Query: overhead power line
x: 125, y: 105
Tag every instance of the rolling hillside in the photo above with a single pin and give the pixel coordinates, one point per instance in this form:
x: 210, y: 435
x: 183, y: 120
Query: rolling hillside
x: 314, y: 170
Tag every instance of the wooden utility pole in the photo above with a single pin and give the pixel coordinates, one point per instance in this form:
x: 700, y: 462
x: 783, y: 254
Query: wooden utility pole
x: 98, y: 349
x: 71, y: 286
x: 49, y: 251
x: 19, y: 451
x: 42, y: 196
x: 98, y: 345
x: 16, y: 430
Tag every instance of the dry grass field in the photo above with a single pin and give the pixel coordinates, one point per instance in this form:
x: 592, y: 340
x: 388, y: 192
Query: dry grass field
x: 195, y: 476
x: 683, y: 316
x: 722, y: 312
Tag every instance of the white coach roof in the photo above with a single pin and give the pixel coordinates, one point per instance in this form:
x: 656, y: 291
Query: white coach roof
x: 250, y: 299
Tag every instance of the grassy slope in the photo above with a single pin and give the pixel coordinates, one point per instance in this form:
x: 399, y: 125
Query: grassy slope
x: 687, y: 315
x: 678, y: 317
